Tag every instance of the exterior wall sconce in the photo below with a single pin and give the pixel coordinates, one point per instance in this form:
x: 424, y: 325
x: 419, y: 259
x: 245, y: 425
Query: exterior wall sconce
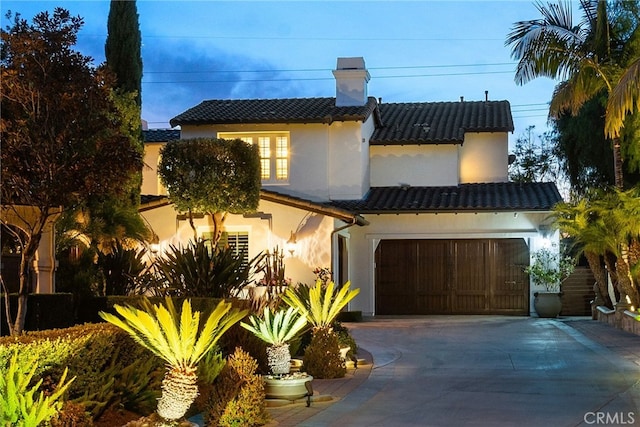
x: 154, y: 245
x: 292, y: 244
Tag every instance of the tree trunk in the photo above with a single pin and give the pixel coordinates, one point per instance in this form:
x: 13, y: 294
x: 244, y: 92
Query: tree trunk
x: 600, y: 275
x: 617, y: 164
x: 625, y: 279
x: 26, y: 259
x: 218, y: 219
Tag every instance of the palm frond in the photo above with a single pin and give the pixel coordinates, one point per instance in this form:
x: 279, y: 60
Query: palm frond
x: 176, y: 338
x: 624, y: 99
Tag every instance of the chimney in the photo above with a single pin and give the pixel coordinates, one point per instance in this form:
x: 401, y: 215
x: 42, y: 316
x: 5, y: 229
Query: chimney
x: 351, y: 82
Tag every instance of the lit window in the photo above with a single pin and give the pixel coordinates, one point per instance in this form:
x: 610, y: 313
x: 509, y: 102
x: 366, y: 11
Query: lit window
x: 274, y: 153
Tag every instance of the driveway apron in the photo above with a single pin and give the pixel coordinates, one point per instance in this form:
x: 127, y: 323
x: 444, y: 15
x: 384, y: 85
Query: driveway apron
x: 486, y: 371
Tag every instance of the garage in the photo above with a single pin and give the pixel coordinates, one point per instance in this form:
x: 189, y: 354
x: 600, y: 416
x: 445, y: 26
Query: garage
x: 464, y: 276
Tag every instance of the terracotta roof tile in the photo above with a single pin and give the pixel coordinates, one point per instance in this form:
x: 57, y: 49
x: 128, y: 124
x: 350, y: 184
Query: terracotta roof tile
x: 440, y: 122
x: 504, y: 196
x: 160, y: 135
x: 292, y: 110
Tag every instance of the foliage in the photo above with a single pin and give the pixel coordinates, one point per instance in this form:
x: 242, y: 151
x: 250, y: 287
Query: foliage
x: 180, y: 340
x: 211, y: 176
x: 345, y: 339
x: 121, y: 267
x: 273, y: 268
x: 323, y: 304
x: 200, y: 270
x: 535, y: 160
x: 18, y: 404
x: 550, y: 268
x: 108, y: 366
x: 238, y: 394
x: 71, y: 415
x: 59, y: 129
x: 323, y: 274
x: 123, y: 45
x: 589, y: 57
x: 177, y: 338
x: 278, y: 328
x: 322, y: 356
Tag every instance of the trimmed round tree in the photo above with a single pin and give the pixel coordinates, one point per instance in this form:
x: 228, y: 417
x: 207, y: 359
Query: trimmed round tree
x: 212, y: 177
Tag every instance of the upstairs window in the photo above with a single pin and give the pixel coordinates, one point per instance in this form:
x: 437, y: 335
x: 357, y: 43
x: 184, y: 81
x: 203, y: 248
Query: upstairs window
x: 274, y: 153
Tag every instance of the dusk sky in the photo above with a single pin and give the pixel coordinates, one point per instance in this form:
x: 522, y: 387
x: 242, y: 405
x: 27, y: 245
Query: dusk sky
x: 415, y: 51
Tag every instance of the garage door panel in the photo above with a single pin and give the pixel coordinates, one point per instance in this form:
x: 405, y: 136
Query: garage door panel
x: 396, y: 285
x: 474, y: 276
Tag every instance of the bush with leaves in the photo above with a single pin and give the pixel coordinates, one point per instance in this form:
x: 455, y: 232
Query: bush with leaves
x: 322, y: 358
x: 121, y: 268
x: 19, y: 405
x: 321, y: 304
x: 198, y: 270
x: 238, y: 398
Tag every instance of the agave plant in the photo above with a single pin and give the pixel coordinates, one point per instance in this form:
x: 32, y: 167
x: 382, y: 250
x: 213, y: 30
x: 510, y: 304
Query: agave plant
x: 277, y: 330
x: 322, y: 304
x: 180, y: 340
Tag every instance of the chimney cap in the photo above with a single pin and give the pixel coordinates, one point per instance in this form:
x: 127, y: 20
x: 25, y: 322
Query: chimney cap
x: 352, y: 63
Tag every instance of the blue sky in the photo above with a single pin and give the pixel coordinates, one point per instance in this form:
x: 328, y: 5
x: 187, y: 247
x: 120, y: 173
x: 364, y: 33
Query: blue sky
x: 415, y: 50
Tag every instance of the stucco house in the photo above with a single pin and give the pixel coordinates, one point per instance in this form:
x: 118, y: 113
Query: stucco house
x: 410, y: 202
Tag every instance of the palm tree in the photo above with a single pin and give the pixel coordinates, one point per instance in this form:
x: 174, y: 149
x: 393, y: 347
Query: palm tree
x: 579, y: 54
x: 178, y: 339
x: 579, y: 221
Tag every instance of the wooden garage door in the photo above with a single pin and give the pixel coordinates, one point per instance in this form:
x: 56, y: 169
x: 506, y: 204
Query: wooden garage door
x: 480, y: 276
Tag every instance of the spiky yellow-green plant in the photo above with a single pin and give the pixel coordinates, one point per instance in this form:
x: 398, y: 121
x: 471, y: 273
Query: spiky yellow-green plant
x: 19, y: 405
x: 323, y: 304
x: 277, y: 330
x: 180, y: 340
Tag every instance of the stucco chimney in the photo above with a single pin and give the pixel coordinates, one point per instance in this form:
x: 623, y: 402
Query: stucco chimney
x: 351, y: 82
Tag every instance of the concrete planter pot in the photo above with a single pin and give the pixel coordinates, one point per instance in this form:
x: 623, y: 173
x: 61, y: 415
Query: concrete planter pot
x: 288, y: 387
x: 547, y: 304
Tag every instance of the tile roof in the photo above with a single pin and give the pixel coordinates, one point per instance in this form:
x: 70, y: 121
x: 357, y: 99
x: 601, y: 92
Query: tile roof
x: 311, y: 206
x: 292, y: 110
x: 503, y: 196
x: 440, y: 122
x: 160, y: 135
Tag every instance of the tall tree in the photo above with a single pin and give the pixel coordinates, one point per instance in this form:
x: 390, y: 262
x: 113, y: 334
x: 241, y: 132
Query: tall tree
x: 579, y: 54
x: 123, y: 45
x: 61, y: 130
x: 211, y: 176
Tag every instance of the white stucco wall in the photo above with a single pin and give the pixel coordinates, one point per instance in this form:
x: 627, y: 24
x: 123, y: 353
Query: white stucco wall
x: 415, y: 165
x: 326, y: 161
x: 484, y: 158
x: 313, y: 247
x: 150, y: 180
x: 363, y: 241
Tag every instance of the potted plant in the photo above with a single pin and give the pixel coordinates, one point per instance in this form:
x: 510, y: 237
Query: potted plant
x: 277, y: 330
x: 549, y: 269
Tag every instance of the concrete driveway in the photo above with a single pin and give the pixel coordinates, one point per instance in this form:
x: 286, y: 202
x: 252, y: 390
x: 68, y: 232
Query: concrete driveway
x: 490, y: 371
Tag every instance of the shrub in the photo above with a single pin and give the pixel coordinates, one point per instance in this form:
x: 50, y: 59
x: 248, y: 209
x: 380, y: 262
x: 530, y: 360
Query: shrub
x: 322, y: 357
x: 345, y: 339
x: 72, y: 415
x: 110, y: 368
x: 198, y: 270
x: 238, y: 397
x: 18, y: 404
